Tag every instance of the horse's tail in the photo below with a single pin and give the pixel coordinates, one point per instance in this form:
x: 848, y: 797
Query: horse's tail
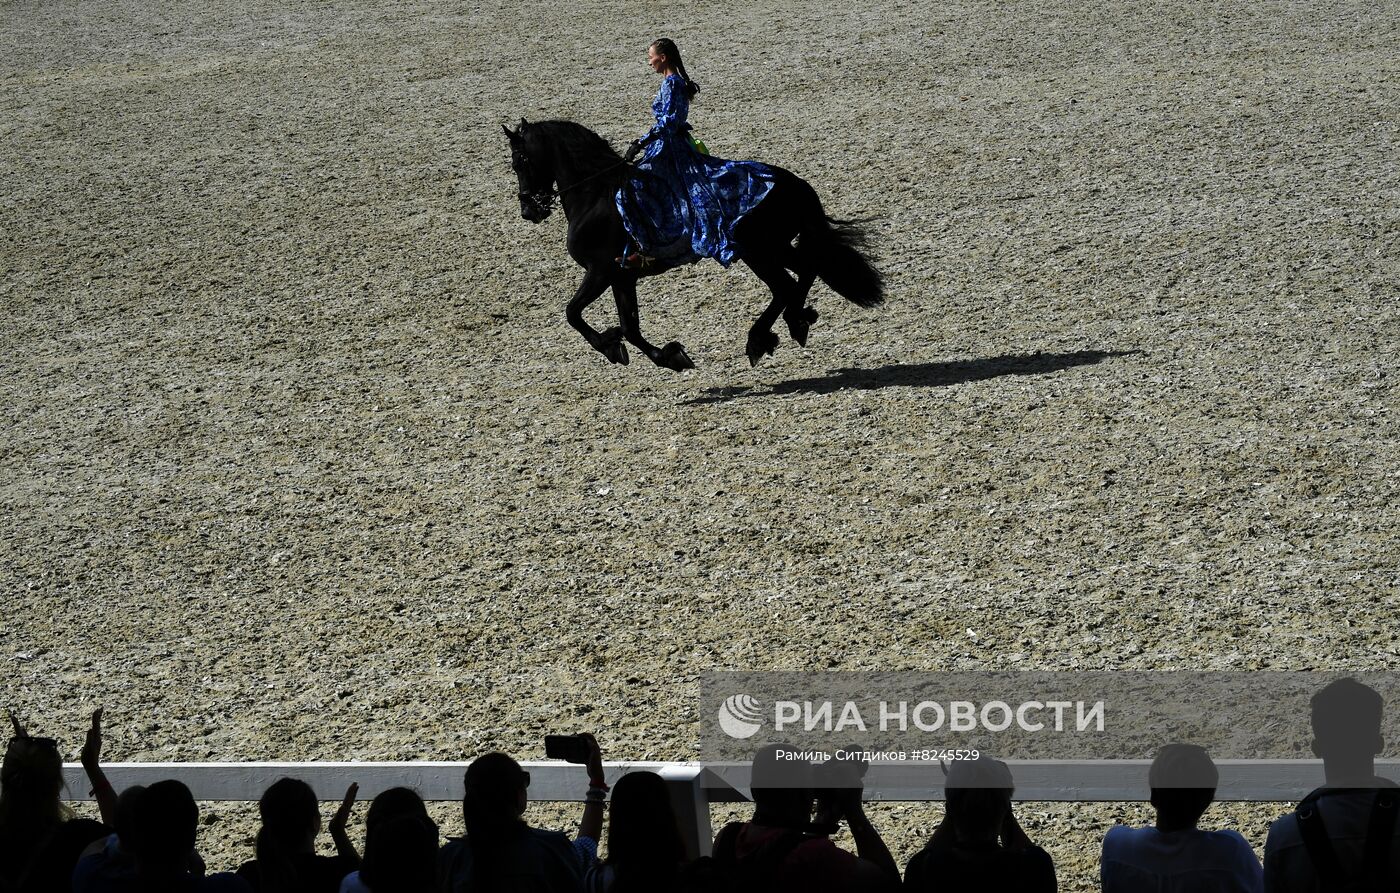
x: 835, y: 250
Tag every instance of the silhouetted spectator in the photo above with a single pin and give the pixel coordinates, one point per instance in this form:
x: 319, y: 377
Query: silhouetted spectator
x: 40, y: 841
x: 1176, y: 856
x: 401, y: 856
x: 287, y: 861
x: 501, y: 853
x: 117, y: 859
x: 980, y: 845
x: 396, y: 859
x: 1343, y: 835
x: 780, y: 850
x: 645, y: 849
x: 164, y: 823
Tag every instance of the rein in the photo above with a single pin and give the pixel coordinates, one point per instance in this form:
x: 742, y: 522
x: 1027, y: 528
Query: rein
x: 611, y: 167
x: 544, y: 197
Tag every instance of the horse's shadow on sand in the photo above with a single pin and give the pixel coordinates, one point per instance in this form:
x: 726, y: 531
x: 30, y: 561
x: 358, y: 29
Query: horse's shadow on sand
x: 916, y: 375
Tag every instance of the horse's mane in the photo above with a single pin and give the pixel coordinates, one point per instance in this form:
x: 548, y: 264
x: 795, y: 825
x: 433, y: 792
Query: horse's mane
x: 577, y: 141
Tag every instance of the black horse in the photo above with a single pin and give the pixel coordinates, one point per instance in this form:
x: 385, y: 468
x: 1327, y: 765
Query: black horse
x: 786, y: 231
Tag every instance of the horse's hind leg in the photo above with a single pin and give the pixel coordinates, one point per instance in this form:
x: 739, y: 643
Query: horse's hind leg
x: 761, y: 338
x: 796, y: 314
x: 672, y: 355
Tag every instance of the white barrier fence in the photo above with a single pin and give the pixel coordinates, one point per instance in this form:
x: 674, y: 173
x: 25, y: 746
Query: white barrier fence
x: 694, y: 786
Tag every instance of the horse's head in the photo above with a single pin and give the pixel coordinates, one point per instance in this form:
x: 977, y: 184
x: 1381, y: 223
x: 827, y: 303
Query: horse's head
x: 529, y: 159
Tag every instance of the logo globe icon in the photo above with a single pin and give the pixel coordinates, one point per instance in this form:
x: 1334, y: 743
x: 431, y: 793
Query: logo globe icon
x: 740, y: 716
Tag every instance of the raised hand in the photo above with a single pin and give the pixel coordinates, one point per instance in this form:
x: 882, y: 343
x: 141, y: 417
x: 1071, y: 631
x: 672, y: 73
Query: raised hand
x: 18, y: 726
x: 595, y: 758
x: 591, y: 825
x: 342, y: 814
x: 91, y: 756
x: 343, y: 846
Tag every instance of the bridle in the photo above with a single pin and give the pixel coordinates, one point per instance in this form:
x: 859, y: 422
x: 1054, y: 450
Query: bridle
x: 543, y: 199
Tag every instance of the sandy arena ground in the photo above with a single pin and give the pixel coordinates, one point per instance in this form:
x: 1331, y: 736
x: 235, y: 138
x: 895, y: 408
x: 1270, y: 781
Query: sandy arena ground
x: 300, y: 459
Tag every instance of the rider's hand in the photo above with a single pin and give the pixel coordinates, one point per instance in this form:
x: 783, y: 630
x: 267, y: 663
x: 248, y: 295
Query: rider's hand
x: 633, y: 150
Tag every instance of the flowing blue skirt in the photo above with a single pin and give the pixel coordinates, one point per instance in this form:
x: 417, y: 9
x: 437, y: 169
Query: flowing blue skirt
x: 680, y: 206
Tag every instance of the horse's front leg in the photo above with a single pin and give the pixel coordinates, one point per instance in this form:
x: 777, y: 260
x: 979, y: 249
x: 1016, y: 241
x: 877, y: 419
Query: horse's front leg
x: 672, y: 355
x: 609, y: 343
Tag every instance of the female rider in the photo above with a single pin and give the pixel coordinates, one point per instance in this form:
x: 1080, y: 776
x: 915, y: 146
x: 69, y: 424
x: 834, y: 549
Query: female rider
x: 680, y: 204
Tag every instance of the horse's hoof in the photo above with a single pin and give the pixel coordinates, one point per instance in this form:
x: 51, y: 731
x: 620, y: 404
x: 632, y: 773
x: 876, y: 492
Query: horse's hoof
x: 800, y: 323
x: 798, y: 330
x: 673, y: 356
x: 610, y: 345
x: 761, y: 343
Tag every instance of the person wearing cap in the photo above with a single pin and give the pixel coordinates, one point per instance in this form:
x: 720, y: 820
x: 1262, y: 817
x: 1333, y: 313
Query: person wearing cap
x: 1174, y: 855
x: 979, y: 845
x: 1345, y: 833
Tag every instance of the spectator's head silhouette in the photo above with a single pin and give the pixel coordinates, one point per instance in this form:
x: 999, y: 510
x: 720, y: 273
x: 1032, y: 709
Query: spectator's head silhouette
x: 31, y: 783
x: 978, y: 798
x: 1183, y: 780
x: 1346, y: 723
x: 493, y: 802
x: 291, y: 818
x: 290, y: 813
x: 494, y: 795
x: 395, y: 803
x: 164, y: 820
x: 400, y: 843
x: 642, y: 827
x: 123, y: 820
x: 782, y: 787
x: 400, y: 854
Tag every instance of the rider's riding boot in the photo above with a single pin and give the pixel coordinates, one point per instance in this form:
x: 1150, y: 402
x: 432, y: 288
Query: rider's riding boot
x: 634, y: 259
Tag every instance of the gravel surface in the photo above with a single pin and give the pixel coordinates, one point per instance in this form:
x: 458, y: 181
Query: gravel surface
x: 300, y: 459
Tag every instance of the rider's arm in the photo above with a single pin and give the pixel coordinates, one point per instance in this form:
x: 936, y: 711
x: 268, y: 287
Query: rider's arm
x: 675, y: 105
